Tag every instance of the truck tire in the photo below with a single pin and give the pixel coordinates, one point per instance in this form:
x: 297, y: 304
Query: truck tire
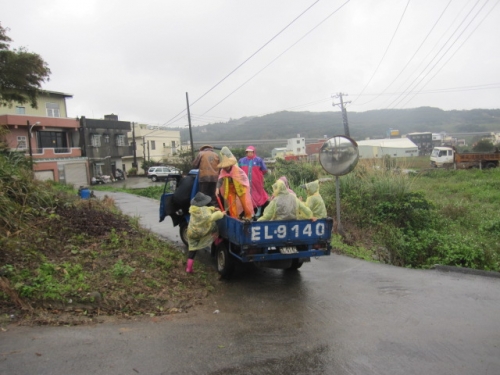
x: 490, y: 165
x: 183, y: 227
x: 296, y: 264
x: 225, y: 261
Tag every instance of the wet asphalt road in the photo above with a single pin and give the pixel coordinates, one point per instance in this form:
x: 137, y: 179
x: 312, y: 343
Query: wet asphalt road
x: 337, y: 315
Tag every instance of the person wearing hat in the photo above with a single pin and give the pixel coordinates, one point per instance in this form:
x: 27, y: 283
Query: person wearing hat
x: 202, y: 228
x: 255, y: 168
x: 234, y: 186
x: 206, y: 162
x: 285, y: 206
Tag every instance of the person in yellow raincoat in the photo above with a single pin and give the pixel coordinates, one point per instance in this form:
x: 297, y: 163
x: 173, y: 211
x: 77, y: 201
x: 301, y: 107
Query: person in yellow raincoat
x: 202, y: 229
x: 314, y: 200
x: 285, y: 206
x: 234, y: 186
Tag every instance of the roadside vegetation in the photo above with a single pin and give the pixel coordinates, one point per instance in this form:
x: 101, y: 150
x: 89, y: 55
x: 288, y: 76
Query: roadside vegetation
x: 65, y: 260
x: 402, y: 213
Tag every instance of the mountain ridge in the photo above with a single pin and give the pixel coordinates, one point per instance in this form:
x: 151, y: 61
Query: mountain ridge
x: 362, y: 125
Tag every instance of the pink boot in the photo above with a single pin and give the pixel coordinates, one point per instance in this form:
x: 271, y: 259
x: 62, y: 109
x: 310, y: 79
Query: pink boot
x: 189, y: 268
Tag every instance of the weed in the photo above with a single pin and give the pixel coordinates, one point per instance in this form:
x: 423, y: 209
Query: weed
x: 121, y: 270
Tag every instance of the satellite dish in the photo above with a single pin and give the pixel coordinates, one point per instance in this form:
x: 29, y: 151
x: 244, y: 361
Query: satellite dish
x: 339, y: 155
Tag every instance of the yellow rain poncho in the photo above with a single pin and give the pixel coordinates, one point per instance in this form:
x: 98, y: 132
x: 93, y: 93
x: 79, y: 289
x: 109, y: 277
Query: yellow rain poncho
x: 315, y: 201
x: 202, y: 228
x: 285, y: 206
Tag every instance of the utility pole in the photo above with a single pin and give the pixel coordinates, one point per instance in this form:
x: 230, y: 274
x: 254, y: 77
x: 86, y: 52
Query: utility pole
x: 29, y: 140
x: 29, y: 143
x: 190, y: 131
x: 344, y: 112
x: 134, y: 164
x: 144, y: 149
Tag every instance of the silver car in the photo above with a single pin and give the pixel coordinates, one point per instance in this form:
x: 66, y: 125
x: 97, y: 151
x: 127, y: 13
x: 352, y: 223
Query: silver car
x: 162, y: 173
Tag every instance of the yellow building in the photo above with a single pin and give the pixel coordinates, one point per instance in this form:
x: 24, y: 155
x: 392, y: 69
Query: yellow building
x: 152, y: 143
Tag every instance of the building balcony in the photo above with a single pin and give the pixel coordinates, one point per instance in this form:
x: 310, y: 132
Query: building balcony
x: 21, y: 121
x: 54, y: 153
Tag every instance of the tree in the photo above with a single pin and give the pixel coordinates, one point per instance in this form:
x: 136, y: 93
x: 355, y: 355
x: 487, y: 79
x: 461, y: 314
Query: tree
x: 21, y: 73
x: 484, y: 145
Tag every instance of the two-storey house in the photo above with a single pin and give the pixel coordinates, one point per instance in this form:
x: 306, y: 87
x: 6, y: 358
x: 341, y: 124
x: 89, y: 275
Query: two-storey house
x: 48, y: 136
x: 104, y: 143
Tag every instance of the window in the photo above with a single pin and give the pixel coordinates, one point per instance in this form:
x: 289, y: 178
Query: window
x: 298, y: 142
x: 120, y: 140
x: 96, y: 140
x: 21, y: 142
x: 20, y: 110
x: 153, y: 145
x: 106, y: 138
x: 52, y: 109
x: 56, y: 140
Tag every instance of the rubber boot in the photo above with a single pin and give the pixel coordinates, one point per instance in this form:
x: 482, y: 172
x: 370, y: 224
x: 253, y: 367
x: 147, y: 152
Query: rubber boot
x: 189, y: 268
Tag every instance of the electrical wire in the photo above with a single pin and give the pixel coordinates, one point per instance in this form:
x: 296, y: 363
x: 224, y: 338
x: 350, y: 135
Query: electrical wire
x: 459, y: 47
x: 399, y: 89
x: 247, y: 59
x: 276, y: 58
x: 412, y: 57
x: 418, y: 77
x: 487, y: 86
x: 386, y: 50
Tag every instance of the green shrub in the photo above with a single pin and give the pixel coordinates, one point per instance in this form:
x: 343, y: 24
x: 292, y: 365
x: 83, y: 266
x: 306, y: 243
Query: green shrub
x: 121, y: 270
x: 297, y: 173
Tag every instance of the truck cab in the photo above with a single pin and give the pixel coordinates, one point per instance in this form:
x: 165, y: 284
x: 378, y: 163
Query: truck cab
x: 442, y: 157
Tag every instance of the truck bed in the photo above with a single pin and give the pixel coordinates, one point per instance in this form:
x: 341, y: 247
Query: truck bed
x: 478, y: 157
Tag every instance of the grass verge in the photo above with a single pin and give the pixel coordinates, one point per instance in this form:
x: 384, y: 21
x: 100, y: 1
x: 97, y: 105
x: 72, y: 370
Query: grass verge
x: 85, y: 261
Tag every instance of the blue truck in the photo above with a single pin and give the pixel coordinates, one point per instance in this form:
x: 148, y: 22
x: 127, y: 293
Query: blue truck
x: 276, y: 244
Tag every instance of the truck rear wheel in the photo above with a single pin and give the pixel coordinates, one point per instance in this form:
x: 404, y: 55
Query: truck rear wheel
x: 490, y: 165
x: 183, y: 227
x: 225, y: 261
x: 296, y: 264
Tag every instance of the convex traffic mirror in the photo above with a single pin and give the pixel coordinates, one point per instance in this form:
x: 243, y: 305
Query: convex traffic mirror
x: 339, y: 155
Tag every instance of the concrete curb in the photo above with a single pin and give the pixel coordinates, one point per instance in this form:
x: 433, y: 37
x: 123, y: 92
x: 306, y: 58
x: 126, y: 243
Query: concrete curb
x: 468, y: 271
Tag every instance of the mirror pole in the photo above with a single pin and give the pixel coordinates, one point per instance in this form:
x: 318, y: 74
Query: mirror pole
x: 340, y: 230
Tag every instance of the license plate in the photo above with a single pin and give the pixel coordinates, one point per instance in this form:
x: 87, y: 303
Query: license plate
x: 288, y: 250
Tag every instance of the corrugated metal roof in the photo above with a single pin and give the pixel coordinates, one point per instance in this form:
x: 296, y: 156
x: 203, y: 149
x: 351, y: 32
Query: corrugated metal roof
x: 388, y: 142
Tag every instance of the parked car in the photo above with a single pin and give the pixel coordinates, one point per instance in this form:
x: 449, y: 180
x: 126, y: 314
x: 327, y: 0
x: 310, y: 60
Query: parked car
x: 162, y: 173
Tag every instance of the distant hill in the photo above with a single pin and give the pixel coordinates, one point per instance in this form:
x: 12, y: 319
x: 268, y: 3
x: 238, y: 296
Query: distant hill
x: 362, y: 125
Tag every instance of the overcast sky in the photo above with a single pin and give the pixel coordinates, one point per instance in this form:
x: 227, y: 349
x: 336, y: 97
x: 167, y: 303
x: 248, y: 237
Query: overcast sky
x: 237, y: 58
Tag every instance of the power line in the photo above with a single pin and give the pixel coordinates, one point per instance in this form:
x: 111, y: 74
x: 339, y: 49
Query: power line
x: 276, y: 58
x: 459, y: 47
x: 411, y: 58
x: 387, y: 49
x: 487, y: 86
x: 247, y: 59
x: 418, y: 77
x: 430, y: 51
